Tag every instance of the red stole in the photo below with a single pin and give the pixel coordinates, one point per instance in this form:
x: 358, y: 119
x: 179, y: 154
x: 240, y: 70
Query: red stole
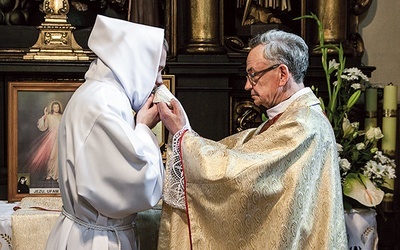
x: 270, y: 122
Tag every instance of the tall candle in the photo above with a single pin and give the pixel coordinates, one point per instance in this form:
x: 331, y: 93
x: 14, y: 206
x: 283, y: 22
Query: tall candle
x: 371, y: 107
x: 389, y: 138
x: 389, y: 120
x: 390, y: 97
x: 371, y: 100
x: 370, y: 123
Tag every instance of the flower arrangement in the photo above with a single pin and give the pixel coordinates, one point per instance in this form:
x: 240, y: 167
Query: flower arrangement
x: 364, y: 169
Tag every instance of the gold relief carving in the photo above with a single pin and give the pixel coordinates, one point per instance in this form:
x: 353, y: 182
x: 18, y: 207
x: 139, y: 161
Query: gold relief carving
x: 246, y: 115
x: 60, y: 7
x: 56, y: 40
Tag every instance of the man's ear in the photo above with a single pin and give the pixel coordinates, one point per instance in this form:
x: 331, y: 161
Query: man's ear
x: 283, y: 74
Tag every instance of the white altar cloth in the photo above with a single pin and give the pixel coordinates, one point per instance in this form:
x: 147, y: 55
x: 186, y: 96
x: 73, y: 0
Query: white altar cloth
x: 6, y: 210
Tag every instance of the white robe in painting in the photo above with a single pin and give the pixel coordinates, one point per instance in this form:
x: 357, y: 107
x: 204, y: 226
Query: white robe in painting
x: 110, y: 168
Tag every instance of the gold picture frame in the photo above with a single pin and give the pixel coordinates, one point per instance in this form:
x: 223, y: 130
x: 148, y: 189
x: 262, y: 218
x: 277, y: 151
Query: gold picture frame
x: 27, y: 103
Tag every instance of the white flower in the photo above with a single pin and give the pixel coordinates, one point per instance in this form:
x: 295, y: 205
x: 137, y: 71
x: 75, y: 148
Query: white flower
x: 346, y: 77
x: 339, y: 147
x: 379, y: 167
x: 374, y: 134
x: 349, y: 128
x: 360, y: 146
x: 381, y: 157
x: 349, y: 78
x: 344, y: 164
x: 356, y: 86
x: 391, y: 173
x: 355, y: 72
x: 333, y: 65
x: 362, y: 189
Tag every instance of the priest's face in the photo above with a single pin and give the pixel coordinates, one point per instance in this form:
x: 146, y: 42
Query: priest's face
x: 263, y: 79
x: 161, y: 67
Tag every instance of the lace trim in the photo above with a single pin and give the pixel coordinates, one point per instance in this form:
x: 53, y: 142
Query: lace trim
x: 174, y: 184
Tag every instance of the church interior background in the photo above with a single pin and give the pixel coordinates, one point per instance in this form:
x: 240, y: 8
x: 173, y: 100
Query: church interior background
x: 208, y: 49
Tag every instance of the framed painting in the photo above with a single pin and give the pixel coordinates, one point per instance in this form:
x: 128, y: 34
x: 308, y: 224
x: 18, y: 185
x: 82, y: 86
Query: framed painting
x: 34, y: 112
x: 159, y: 129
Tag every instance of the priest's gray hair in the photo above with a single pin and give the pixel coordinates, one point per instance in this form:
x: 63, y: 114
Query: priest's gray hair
x: 285, y: 48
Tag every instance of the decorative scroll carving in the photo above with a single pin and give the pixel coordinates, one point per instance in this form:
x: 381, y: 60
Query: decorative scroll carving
x: 246, y: 115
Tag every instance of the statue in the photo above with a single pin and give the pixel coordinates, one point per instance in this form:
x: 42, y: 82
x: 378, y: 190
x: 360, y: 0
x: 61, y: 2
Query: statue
x: 263, y: 11
x: 258, y: 16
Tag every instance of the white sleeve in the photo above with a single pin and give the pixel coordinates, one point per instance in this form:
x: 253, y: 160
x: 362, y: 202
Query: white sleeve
x: 119, y: 170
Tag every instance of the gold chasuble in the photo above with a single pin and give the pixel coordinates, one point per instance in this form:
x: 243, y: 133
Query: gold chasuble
x: 279, y: 189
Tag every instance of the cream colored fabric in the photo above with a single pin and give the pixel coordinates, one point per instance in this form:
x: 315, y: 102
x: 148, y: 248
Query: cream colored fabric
x: 31, y: 225
x: 31, y: 228
x: 276, y: 190
x: 45, y: 203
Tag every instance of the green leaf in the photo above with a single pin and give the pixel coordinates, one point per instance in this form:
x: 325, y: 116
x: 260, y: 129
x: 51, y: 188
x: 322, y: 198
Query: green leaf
x: 264, y: 117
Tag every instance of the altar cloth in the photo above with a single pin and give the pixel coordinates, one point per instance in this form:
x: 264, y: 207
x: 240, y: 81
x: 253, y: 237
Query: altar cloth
x: 33, y: 221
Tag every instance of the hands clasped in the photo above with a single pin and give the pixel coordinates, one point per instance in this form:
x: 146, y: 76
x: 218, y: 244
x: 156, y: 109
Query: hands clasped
x: 174, y: 118
x: 148, y: 114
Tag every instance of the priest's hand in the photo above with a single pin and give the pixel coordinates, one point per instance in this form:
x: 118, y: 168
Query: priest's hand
x: 174, y: 118
x: 148, y: 114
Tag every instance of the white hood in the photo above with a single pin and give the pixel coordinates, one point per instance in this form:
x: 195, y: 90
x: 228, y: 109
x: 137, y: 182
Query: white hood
x: 131, y: 51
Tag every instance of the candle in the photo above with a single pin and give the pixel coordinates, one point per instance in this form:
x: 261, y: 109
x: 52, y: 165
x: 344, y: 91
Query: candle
x: 370, y: 123
x: 371, y: 107
x: 389, y: 119
x: 389, y: 138
x: 390, y: 97
x: 371, y: 101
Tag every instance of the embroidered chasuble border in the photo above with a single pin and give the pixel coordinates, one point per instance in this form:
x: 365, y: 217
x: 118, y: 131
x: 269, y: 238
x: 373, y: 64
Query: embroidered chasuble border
x: 184, y: 185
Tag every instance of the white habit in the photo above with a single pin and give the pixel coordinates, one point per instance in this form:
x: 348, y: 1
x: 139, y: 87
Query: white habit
x: 110, y: 168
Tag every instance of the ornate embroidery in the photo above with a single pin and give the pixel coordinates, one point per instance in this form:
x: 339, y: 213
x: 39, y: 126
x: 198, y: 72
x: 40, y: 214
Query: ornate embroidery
x: 174, y: 190
x: 7, y: 238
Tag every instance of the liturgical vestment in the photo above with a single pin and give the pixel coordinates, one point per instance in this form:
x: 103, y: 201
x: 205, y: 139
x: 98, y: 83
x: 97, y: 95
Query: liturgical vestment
x: 279, y: 189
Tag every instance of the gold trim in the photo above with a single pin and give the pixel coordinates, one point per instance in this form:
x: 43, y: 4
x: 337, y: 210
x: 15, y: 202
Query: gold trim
x: 389, y: 113
x: 371, y: 114
x: 389, y: 152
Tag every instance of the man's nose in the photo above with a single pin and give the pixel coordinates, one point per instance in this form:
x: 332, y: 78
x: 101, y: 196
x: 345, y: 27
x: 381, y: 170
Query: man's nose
x: 159, y: 80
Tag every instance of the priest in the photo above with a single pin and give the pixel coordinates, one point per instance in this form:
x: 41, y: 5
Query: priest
x: 272, y: 187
